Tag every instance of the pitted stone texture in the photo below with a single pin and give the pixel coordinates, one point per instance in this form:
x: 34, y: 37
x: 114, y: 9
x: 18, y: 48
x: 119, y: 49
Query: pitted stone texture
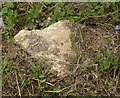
x: 52, y: 43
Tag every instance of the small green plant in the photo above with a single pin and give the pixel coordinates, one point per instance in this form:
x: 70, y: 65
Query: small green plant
x: 37, y: 72
x: 5, y: 70
x: 106, y: 61
x: 10, y: 17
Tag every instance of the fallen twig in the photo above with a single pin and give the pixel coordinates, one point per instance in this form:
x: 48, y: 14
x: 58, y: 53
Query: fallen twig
x: 17, y: 84
x: 49, y: 83
x: 117, y: 81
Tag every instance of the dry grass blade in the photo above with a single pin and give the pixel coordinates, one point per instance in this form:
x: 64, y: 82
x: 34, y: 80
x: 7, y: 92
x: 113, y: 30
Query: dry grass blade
x: 117, y: 81
x: 58, y: 91
x: 49, y: 83
x: 19, y: 92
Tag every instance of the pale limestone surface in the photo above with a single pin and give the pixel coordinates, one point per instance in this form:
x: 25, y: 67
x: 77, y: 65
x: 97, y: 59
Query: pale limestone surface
x: 52, y: 43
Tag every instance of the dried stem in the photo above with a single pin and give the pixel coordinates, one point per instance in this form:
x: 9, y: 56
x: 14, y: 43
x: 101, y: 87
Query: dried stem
x: 17, y: 84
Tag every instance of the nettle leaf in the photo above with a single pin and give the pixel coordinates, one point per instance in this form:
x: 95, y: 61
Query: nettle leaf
x: 4, y: 10
x: 9, y: 5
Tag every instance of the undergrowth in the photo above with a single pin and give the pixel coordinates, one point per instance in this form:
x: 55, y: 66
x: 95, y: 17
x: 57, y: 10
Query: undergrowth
x: 10, y: 17
x: 41, y: 15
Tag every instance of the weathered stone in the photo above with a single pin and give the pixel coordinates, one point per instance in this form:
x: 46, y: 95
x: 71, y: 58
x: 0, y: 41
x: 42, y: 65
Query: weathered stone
x: 63, y: 43
x: 52, y: 43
